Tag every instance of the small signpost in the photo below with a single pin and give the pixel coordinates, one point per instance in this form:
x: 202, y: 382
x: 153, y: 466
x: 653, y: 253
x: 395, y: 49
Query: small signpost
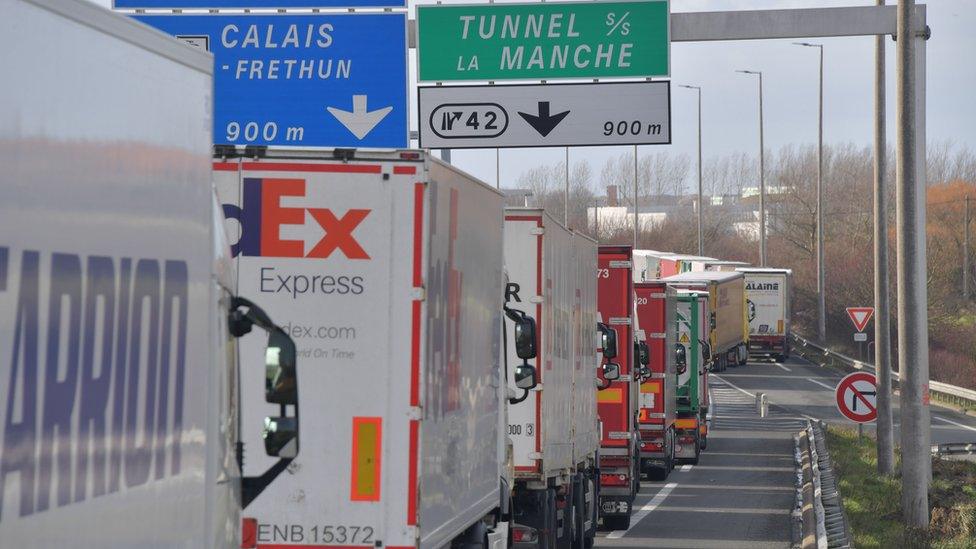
x: 859, y: 317
x: 544, y: 115
x: 856, y: 397
x: 539, y: 41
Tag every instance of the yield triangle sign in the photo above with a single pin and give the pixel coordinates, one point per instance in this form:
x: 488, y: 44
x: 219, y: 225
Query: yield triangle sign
x: 860, y: 316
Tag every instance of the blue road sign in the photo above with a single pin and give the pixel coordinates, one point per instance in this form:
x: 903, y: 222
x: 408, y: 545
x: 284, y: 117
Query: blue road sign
x: 255, y: 4
x: 319, y: 80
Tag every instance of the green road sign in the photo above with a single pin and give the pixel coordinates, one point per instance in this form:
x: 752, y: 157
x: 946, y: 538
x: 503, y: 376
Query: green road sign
x: 543, y: 41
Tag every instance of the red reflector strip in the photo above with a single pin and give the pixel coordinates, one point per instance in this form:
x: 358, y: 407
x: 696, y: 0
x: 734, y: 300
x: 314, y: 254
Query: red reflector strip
x: 249, y: 533
x: 613, y: 480
x: 614, y: 461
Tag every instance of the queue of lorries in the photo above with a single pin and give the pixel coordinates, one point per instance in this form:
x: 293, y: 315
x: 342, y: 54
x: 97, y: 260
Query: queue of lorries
x: 466, y: 375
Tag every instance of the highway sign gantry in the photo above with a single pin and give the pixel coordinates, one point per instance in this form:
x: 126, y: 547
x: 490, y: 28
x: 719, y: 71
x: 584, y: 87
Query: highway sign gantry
x: 860, y: 316
x: 252, y: 4
x: 314, y: 80
x: 856, y: 397
x: 538, y: 41
x: 545, y: 115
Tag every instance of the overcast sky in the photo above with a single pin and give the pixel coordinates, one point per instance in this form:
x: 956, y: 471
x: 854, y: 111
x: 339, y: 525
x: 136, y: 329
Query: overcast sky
x: 729, y: 100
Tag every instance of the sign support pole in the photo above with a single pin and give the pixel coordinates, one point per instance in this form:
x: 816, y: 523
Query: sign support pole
x: 913, y: 356
x: 635, y: 197
x: 566, y: 197
x: 882, y: 326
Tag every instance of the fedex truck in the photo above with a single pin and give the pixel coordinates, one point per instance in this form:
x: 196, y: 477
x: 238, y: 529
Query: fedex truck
x: 693, y: 353
x: 387, y: 268
x: 617, y: 399
x: 727, y: 317
x: 119, y: 317
x: 768, y: 296
x: 655, y: 304
x: 554, y: 427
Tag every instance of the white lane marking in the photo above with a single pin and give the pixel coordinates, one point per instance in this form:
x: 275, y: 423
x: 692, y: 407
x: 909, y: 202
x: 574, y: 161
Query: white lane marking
x: 824, y: 385
x: 658, y: 499
x: 783, y: 367
x: 956, y: 423
x: 741, y: 390
x: 686, y: 468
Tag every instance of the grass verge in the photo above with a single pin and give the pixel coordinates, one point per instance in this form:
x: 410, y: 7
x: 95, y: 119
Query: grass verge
x: 873, y: 502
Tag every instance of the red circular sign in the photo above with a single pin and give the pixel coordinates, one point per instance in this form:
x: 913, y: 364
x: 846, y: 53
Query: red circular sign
x: 856, y: 397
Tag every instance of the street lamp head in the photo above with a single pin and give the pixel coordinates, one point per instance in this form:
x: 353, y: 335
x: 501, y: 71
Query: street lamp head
x: 689, y: 87
x: 808, y: 44
x: 749, y: 72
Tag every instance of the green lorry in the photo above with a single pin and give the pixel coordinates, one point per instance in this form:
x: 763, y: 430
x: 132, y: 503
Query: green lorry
x: 693, y: 355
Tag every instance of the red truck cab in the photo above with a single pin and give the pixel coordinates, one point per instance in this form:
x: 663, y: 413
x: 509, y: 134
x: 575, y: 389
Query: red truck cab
x: 655, y: 306
x: 617, y: 400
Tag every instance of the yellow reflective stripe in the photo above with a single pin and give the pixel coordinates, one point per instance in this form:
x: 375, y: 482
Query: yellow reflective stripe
x: 651, y: 387
x: 367, y: 433
x: 613, y: 395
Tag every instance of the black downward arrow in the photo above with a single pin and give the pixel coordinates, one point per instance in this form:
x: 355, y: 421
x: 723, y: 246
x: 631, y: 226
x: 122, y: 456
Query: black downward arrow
x: 544, y: 123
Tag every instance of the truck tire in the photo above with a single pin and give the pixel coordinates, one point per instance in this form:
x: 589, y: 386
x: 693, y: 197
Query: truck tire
x: 694, y: 460
x: 549, y: 534
x: 780, y: 358
x: 579, y: 511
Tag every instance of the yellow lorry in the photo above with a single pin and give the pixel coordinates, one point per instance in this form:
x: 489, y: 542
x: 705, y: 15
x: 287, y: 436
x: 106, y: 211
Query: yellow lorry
x: 729, y: 319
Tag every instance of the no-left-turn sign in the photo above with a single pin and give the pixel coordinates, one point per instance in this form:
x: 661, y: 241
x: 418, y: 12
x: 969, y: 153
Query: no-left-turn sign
x: 857, y: 397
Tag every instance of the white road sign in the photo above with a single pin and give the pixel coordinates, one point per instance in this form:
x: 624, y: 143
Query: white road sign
x: 545, y: 115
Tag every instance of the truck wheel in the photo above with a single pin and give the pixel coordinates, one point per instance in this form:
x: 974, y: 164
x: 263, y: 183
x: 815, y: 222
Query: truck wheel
x: 579, y: 511
x: 548, y: 538
x: 617, y: 522
x: 780, y: 358
x: 694, y: 460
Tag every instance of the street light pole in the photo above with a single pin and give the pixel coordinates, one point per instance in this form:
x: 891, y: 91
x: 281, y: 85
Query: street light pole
x: 821, y: 271
x: 701, y: 211
x: 762, y: 176
x: 913, y: 336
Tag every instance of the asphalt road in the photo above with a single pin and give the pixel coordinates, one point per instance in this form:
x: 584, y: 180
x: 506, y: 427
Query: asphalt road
x: 808, y: 389
x: 741, y: 492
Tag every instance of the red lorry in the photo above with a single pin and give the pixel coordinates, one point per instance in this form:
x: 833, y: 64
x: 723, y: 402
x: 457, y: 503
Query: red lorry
x: 617, y: 400
x: 655, y: 306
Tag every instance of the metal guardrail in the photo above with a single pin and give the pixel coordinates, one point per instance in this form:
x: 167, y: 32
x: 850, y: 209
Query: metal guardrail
x: 954, y: 449
x: 943, y: 391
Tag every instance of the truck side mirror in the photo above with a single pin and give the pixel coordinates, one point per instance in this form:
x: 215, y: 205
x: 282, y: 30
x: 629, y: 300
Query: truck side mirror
x: 525, y: 338
x: 280, y: 432
x: 706, y: 351
x: 525, y: 376
x: 608, y: 340
x: 680, y: 358
x: 281, y: 436
x: 611, y: 371
x: 280, y: 377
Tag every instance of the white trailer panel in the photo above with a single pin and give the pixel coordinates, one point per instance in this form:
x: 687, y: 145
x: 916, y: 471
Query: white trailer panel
x: 117, y: 427
x: 540, y: 258
x: 388, y: 273
x: 586, y: 426
x: 768, y: 301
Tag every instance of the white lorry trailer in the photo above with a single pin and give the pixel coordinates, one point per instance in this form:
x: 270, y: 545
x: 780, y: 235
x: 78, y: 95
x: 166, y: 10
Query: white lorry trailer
x: 118, y: 363
x: 768, y: 297
x: 386, y: 267
x: 554, y: 427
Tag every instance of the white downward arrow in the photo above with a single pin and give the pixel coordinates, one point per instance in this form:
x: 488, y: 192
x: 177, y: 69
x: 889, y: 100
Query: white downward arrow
x: 360, y: 121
